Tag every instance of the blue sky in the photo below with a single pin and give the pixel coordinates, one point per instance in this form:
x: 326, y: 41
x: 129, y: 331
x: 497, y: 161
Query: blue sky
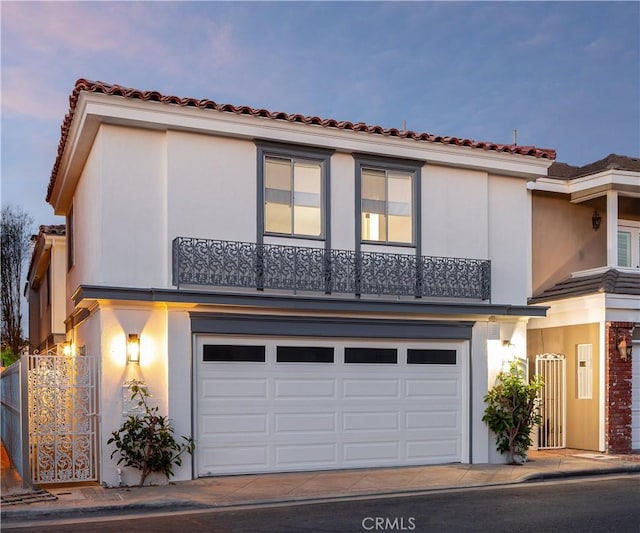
x: 566, y: 75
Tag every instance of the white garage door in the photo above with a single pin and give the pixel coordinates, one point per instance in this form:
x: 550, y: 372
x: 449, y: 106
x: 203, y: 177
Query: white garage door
x: 276, y: 405
x: 635, y: 396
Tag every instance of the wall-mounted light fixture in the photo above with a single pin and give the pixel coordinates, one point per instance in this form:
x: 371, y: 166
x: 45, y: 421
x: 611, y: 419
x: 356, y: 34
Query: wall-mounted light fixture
x: 596, y: 220
x: 66, y: 348
x: 623, y: 349
x: 133, y: 348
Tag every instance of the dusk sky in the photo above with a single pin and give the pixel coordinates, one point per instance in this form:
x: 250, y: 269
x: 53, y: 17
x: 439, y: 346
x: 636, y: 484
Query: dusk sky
x: 565, y: 75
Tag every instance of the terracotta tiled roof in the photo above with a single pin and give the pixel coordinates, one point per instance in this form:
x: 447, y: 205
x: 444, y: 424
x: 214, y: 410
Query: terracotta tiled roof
x: 612, y: 282
x: 154, y: 96
x: 611, y: 162
x: 58, y: 229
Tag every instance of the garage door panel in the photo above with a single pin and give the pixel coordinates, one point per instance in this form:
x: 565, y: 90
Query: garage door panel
x: 234, y: 424
x: 304, y: 454
x: 370, y: 421
x: 307, y: 422
x: 223, y: 389
x: 433, y: 450
x: 305, y: 389
x: 432, y: 388
x: 371, y: 388
x: 364, y: 452
x: 433, y: 420
x: 229, y: 458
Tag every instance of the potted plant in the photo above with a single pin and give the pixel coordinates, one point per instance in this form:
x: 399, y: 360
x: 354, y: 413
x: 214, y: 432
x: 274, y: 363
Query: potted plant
x: 512, y: 411
x: 146, y: 441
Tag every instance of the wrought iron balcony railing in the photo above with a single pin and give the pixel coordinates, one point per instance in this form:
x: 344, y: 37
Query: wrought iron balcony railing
x: 270, y: 266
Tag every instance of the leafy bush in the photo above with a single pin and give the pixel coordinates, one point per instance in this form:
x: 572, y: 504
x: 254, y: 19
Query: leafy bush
x: 8, y: 357
x: 512, y: 411
x: 146, y: 441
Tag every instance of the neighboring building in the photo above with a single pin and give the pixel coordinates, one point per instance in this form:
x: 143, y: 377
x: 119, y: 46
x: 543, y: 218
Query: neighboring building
x: 46, y: 289
x: 307, y: 293
x: 586, y: 267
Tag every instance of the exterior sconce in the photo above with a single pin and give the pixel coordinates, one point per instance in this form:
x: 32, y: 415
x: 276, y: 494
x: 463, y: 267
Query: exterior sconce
x: 596, y: 220
x: 623, y: 349
x: 133, y: 348
x: 67, y: 349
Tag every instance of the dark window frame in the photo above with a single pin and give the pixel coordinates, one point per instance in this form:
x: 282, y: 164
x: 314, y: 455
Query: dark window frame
x: 301, y: 153
x: 386, y: 164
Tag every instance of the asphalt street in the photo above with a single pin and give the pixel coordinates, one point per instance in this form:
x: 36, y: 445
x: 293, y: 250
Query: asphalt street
x: 585, y: 505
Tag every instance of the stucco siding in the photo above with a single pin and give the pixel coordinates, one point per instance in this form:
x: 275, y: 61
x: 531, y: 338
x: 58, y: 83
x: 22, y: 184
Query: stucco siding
x: 509, y: 239
x: 564, y: 240
x: 454, y: 212
x: 582, y: 414
x: 212, y: 184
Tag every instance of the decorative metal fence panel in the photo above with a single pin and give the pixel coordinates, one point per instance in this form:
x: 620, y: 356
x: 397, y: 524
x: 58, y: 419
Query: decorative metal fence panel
x: 12, y: 421
x: 552, y: 430
x: 62, y: 418
x: 271, y: 266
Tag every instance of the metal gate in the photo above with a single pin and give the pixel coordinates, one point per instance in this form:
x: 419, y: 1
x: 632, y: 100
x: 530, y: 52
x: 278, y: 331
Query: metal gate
x: 62, y: 401
x: 551, y: 432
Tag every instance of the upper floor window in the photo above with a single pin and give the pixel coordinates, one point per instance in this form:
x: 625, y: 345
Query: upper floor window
x: 293, y: 184
x: 292, y: 196
x: 387, y: 195
x: 387, y: 199
x: 629, y: 246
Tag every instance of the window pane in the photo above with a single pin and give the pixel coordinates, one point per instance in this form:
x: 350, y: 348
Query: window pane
x: 233, y: 353
x: 371, y: 355
x: 400, y: 229
x: 431, y: 357
x: 277, y: 174
x: 277, y: 218
x: 277, y: 195
x: 307, y: 198
x: 373, y: 185
x: 304, y: 354
x: 624, y: 249
x: 307, y: 221
x: 374, y: 227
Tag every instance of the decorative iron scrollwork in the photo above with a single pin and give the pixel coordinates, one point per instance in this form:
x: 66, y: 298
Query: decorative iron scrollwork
x: 271, y: 266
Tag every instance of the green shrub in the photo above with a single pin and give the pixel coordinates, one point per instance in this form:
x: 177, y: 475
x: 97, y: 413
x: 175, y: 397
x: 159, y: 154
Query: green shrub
x: 512, y: 411
x: 146, y: 441
x: 8, y: 357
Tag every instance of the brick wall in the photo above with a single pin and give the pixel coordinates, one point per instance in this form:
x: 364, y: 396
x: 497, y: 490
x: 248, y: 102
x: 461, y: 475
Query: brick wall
x: 618, y: 390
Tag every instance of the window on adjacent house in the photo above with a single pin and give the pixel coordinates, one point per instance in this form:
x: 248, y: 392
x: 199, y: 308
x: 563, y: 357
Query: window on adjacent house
x: 387, y: 214
x: 629, y: 247
x: 293, y: 196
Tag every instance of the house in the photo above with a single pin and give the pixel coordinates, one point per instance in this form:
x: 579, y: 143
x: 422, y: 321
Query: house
x: 586, y: 269
x: 45, y: 289
x: 300, y: 293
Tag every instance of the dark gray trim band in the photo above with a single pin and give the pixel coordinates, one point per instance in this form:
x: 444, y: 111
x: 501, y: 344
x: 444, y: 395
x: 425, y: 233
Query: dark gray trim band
x: 326, y: 304
x: 295, y: 326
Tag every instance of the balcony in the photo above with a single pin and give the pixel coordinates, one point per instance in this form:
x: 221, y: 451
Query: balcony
x: 212, y: 263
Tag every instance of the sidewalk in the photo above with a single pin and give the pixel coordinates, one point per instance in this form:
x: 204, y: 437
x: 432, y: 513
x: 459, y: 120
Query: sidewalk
x: 233, y: 491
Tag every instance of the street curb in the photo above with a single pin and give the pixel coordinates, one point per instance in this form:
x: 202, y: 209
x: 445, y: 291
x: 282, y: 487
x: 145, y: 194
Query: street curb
x: 19, y: 515
x: 542, y: 476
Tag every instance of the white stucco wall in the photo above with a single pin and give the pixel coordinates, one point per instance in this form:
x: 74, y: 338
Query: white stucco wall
x: 455, y: 212
x: 211, y: 187
x: 509, y: 240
